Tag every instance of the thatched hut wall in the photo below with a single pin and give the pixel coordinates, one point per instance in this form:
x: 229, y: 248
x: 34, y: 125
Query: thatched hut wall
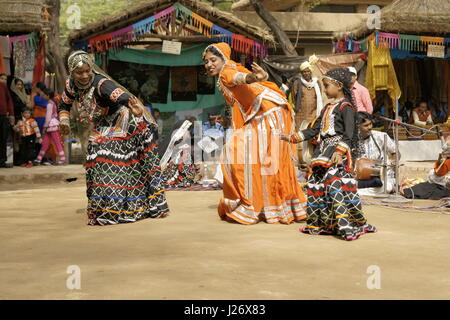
x: 430, y: 17
x: 18, y: 16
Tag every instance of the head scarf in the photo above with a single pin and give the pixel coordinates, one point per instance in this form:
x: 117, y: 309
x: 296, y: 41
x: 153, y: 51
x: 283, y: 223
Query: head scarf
x: 223, y: 48
x: 76, y: 60
x: 343, y: 76
x: 86, y: 97
x: 21, y: 94
x: 225, y: 51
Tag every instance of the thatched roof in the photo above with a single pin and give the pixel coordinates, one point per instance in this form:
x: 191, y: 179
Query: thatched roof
x: 18, y: 16
x: 410, y: 17
x: 147, y: 8
x: 270, y: 5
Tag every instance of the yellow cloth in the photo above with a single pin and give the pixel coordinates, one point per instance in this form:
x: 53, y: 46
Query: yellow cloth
x: 381, y: 73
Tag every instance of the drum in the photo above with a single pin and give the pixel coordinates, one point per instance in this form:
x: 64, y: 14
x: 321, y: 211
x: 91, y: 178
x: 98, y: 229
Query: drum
x: 305, y: 149
x: 366, y: 169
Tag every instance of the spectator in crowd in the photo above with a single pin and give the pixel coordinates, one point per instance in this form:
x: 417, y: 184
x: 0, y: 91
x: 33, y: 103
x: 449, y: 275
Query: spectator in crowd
x: 422, y: 115
x: 406, y: 112
x: 212, y: 123
x: 3, y: 78
x: 19, y: 97
x: 306, y: 94
x: 28, y: 129
x: 361, y: 95
x: 438, y: 114
x: 6, y: 118
x: 51, y: 129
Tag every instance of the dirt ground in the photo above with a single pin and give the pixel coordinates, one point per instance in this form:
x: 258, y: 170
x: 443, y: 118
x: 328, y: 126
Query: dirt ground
x: 194, y: 255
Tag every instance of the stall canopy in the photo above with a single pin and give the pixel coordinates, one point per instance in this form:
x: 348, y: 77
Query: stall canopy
x: 414, y: 37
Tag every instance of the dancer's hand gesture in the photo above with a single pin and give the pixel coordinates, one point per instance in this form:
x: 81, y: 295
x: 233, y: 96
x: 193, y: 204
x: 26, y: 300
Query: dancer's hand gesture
x: 285, y: 137
x: 337, y: 158
x: 64, y: 129
x: 136, y: 106
x: 259, y: 72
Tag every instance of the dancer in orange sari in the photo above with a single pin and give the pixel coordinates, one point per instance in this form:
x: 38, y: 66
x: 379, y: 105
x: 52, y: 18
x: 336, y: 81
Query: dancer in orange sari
x: 260, y: 181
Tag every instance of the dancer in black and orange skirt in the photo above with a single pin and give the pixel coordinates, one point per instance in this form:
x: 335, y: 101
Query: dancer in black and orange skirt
x: 334, y: 206
x: 123, y: 176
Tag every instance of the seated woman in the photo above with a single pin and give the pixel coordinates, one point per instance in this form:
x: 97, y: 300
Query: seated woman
x: 175, y: 154
x: 438, y: 184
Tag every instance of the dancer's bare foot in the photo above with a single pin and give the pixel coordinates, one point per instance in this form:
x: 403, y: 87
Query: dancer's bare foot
x: 163, y: 215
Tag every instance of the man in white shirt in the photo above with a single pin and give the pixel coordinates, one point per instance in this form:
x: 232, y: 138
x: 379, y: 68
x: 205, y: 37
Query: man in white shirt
x: 373, y: 142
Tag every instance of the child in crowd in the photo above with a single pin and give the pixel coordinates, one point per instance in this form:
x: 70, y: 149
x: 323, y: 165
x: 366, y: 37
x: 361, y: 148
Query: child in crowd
x: 334, y: 206
x: 51, y: 129
x: 29, y: 131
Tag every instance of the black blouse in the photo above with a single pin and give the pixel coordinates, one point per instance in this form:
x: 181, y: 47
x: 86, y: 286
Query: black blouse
x: 340, y: 121
x: 107, y: 94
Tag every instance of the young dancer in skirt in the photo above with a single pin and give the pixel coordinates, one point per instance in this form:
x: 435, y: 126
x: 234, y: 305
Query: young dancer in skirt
x: 334, y: 206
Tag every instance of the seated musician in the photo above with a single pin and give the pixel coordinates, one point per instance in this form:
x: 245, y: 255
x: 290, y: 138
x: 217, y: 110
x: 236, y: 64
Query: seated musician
x: 422, y: 116
x: 438, y: 184
x: 373, y: 142
x: 440, y: 174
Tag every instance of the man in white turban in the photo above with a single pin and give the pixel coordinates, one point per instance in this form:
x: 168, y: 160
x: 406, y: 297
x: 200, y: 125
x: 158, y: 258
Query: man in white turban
x: 306, y: 94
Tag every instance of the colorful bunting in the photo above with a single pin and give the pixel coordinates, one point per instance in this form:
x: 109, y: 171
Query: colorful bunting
x: 227, y: 35
x: 203, y: 26
x: 390, y: 40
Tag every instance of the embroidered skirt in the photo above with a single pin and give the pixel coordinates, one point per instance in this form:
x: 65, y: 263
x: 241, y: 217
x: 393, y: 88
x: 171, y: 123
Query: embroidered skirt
x: 334, y: 206
x: 124, y: 182
x: 179, y: 175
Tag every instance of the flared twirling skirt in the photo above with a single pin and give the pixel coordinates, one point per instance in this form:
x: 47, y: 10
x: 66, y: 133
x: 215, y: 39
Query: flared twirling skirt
x: 334, y: 206
x: 123, y: 176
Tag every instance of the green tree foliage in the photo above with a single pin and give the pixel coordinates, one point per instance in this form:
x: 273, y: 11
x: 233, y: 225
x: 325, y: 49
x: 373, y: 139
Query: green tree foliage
x: 90, y: 10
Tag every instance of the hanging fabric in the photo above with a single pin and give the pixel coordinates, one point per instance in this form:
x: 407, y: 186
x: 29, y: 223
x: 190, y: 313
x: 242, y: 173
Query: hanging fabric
x: 142, y: 27
x: 82, y: 45
x: 409, y: 42
x: 101, y: 43
x: 2, y: 64
x: 204, y: 26
x: 121, y: 36
x: 227, y: 34
x: 431, y: 40
x: 393, y: 40
x: 39, y: 65
x: 19, y: 58
x: 381, y: 73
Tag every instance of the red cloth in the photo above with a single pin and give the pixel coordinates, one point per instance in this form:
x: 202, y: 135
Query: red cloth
x: 442, y: 170
x: 422, y: 116
x: 39, y: 66
x: 2, y: 65
x: 6, y: 104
